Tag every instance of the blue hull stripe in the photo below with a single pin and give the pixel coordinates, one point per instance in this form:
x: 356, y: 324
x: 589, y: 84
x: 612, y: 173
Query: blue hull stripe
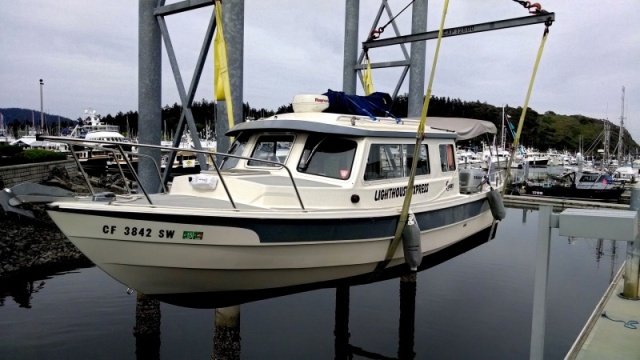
x: 297, y: 230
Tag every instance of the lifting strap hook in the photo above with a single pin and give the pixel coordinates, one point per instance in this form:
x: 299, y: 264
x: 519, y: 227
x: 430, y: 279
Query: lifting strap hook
x: 548, y: 22
x: 375, y: 33
x: 534, y: 8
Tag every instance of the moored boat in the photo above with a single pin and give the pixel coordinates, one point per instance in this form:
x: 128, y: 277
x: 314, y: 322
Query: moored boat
x: 98, y: 161
x: 584, y: 184
x: 300, y: 198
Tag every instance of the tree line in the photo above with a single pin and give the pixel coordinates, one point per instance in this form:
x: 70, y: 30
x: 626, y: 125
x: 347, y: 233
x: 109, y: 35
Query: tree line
x: 542, y: 131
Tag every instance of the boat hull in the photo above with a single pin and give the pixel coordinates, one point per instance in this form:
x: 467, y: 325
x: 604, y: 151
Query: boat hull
x: 205, y: 255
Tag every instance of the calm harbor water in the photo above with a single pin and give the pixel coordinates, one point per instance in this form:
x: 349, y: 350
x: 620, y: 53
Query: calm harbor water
x: 476, y: 305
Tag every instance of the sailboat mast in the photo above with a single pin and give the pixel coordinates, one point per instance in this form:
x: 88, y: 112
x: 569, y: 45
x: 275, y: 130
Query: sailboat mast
x: 620, y: 144
x: 502, y: 138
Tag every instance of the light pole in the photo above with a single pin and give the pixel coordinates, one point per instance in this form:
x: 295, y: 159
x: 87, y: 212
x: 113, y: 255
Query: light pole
x: 41, y: 108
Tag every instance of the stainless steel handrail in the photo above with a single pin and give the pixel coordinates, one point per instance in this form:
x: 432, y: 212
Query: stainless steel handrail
x: 101, y: 145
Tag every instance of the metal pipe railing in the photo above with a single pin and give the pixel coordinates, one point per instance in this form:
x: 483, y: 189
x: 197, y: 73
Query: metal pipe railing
x: 102, y: 144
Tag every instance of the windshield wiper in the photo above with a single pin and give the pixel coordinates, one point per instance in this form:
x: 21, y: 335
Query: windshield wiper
x: 313, y: 151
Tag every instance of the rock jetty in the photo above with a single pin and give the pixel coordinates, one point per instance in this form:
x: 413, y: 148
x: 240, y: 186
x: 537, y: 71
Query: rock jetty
x: 37, y: 245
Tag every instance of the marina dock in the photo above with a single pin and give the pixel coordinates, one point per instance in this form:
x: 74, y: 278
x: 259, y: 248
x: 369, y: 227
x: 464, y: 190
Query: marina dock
x: 612, y: 331
x: 534, y: 202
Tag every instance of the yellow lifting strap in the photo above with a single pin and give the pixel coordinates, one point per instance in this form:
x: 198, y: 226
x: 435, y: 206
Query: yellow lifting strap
x: 367, y: 81
x: 516, y: 140
x: 222, y: 86
x: 416, y: 154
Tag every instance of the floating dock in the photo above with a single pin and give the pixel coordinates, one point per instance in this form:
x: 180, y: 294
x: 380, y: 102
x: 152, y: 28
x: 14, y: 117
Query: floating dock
x: 612, y: 331
x: 534, y: 202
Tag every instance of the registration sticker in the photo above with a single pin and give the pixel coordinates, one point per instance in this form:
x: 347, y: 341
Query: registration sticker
x: 192, y: 235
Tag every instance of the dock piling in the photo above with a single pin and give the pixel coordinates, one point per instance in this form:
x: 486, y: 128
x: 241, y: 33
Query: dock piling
x: 632, y: 263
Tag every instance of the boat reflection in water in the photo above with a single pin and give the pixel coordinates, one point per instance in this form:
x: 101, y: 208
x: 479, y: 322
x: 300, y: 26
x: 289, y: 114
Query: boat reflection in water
x: 211, y: 300
x: 227, y: 340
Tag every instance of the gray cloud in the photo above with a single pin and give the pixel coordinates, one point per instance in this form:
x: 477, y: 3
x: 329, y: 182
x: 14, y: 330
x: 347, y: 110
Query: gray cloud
x: 86, y: 52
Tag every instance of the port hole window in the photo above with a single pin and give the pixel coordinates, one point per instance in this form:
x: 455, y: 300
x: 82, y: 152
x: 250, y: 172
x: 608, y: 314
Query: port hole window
x: 327, y: 156
x: 272, y: 148
x: 447, y: 157
x: 387, y: 161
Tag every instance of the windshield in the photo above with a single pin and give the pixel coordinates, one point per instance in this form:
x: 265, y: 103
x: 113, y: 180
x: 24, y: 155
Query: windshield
x: 237, y: 148
x: 272, y: 148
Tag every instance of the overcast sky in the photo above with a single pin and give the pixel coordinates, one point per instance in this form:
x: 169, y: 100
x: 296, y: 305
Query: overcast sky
x: 86, y: 53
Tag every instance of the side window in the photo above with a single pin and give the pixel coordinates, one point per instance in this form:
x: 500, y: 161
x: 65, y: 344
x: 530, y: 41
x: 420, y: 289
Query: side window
x: 327, y: 156
x: 422, y: 167
x: 387, y: 161
x: 272, y: 148
x: 447, y: 157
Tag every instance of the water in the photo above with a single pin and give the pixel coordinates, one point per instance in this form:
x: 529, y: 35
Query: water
x: 477, y: 305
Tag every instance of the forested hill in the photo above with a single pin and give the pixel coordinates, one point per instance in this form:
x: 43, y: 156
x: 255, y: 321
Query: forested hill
x: 541, y: 131
x: 29, y: 116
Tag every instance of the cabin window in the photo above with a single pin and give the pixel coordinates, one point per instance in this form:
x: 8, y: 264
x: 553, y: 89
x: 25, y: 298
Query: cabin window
x: 327, y: 156
x: 272, y: 148
x: 447, y: 157
x: 387, y: 161
x: 237, y: 148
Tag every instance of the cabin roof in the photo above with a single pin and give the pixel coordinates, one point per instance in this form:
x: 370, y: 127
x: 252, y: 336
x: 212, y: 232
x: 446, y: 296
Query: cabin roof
x: 466, y: 128
x: 355, y: 125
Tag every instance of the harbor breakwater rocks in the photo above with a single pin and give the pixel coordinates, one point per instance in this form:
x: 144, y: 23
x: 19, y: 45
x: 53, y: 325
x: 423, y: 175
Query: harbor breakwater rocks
x: 36, y: 245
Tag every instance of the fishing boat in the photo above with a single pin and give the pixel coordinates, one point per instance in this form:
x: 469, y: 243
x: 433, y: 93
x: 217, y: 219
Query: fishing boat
x: 585, y: 184
x: 300, y: 198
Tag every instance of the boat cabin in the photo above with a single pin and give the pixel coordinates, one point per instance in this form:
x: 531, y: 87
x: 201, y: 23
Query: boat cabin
x: 364, y: 162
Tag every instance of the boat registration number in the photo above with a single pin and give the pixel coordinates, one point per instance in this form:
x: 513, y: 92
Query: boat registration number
x: 138, y: 231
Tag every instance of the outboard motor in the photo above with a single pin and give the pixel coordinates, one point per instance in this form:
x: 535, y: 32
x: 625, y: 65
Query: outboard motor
x: 471, y: 180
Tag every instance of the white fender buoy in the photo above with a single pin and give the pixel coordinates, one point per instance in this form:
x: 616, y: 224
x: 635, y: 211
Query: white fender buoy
x: 411, y: 243
x: 496, y: 204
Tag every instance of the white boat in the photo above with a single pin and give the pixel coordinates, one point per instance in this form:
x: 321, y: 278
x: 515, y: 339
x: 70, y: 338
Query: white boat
x: 99, y: 160
x: 497, y: 157
x: 532, y: 158
x: 326, y: 209
x: 626, y: 173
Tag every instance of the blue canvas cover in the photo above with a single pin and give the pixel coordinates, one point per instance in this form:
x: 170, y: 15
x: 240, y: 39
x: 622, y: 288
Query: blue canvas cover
x: 376, y: 104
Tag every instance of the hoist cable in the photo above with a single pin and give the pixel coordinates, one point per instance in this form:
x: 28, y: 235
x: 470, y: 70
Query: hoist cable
x: 516, y: 141
x: 222, y: 85
x: 375, y: 33
x: 402, y: 221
